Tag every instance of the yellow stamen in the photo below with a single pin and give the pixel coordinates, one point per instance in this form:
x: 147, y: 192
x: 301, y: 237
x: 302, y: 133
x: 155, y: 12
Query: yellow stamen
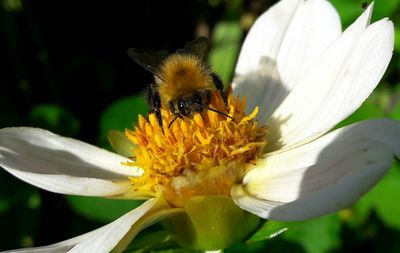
x: 202, y: 155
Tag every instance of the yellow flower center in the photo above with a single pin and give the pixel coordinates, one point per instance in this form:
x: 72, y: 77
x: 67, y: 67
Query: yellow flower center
x: 200, y: 156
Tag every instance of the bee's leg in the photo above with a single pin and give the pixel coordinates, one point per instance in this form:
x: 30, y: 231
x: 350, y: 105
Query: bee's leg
x: 220, y: 86
x: 154, y: 101
x: 175, y: 112
x: 177, y: 115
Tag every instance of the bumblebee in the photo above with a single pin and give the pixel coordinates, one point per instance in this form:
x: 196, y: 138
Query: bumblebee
x: 183, y: 82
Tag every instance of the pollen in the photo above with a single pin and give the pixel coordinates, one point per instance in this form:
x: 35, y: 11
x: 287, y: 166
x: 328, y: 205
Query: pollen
x: 202, y: 155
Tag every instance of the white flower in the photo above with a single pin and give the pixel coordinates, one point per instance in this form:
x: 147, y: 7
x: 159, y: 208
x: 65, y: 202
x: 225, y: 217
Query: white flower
x: 306, y: 76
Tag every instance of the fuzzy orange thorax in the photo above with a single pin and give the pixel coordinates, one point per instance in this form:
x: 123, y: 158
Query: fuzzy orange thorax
x: 182, y: 74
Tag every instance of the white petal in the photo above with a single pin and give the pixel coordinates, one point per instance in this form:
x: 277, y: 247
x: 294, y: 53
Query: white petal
x: 256, y: 73
x: 266, y: 35
x: 270, y: 64
x: 340, y: 81
x: 62, y: 165
x: 322, y: 176
x: 314, y: 27
x: 106, y: 238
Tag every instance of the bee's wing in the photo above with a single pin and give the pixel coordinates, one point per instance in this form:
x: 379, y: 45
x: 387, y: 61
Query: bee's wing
x: 148, y: 59
x: 198, y: 47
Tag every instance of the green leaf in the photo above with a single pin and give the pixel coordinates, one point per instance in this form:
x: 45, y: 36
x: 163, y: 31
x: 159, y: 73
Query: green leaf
x: 317, y: 235
x: 172, y: 251
x: 226, y: 42
x: 54, y: 118
x: 397, y: 40
x: 371, y: 108
x: 121, y: 115
x: 101, y: 209
x: 395, y: 114
x: 269, y: 230
x: 348, y: 10
x: 253, y: 247
x: 386, y: 199
x: 385, y: 8
x: 383, y: 199
x: 276, y: 245
x: 150, y: 242
x: 360, y: 212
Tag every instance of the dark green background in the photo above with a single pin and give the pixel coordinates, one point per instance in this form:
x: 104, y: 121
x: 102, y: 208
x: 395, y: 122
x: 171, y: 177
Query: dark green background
x: 64, y: 67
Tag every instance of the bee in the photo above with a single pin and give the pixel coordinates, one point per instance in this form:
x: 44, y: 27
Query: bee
x: 183, y: 82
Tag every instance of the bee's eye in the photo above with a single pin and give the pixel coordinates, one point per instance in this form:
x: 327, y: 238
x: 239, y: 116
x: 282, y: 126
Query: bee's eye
x: 181, y: 104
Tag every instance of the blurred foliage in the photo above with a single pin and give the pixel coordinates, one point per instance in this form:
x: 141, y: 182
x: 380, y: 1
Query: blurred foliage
x: 65, y: 68
x: 120, y: 115
x: 110, y: 208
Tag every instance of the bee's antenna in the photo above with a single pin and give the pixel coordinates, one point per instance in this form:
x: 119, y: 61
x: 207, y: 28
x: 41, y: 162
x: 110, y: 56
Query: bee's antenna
x: 173, y: 120
x: 222, y: 113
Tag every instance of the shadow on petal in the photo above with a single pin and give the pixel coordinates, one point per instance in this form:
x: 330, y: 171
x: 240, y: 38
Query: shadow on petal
x: 262, y: 88
x: 322, y: 176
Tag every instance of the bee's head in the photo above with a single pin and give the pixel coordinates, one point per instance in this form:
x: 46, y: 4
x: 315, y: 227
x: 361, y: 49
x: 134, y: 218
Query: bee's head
x: 188, y: 105
x: 193, y: 103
